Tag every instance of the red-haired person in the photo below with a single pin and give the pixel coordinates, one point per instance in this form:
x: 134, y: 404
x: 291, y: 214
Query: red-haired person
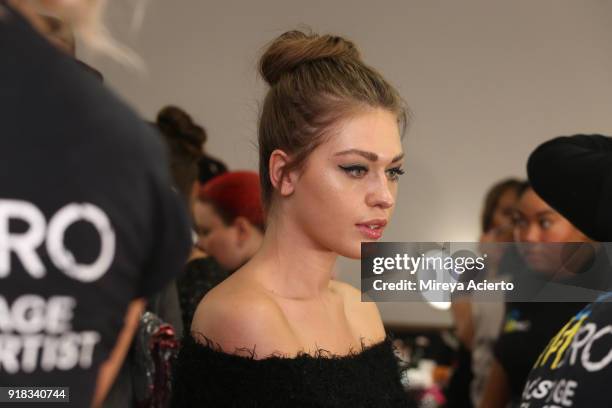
x: 229, y: 221
x: 229, y: 218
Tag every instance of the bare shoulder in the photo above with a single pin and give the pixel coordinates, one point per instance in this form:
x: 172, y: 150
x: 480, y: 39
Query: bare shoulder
x: 241, y: 319
x: 363, y: 316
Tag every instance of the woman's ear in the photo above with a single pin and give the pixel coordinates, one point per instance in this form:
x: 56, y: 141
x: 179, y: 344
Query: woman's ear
x: 281, y: 180
x: 243, y: 229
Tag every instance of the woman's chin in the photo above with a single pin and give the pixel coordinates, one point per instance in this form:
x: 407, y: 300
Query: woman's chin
x: 353, y: 255
x: 350, y: 247
x: 352, y: 252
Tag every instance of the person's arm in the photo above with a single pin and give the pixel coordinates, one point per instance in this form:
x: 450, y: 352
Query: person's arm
x: 497, y: 390
x: 461, y: 309
x: 109, y: 369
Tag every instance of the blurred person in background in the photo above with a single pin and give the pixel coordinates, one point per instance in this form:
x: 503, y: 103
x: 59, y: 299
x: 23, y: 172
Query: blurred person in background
x: 185, y: 140
x: 477, y: 324
x: 82, y: 250
x: 192, y: 168
x: 145, y: 377
x: 229, y: 220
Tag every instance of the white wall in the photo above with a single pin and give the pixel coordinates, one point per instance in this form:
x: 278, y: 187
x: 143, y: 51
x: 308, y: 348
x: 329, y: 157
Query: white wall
x: 486, y: 80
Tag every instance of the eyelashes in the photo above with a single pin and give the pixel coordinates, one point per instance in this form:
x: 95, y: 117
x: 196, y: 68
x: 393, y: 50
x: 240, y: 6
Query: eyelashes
x: 359, y: 171
x: 396, y: 172
x: 356, y: 170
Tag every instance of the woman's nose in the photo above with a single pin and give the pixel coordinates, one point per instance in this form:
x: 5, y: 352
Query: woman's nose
x: 530, y: 233
x: 381, y: 194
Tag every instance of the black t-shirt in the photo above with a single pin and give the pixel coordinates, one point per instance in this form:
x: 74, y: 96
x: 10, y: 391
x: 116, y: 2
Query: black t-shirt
x: 526, y: 330
x: 529, y: 326
x: 575, y: 369
x: 88, y: 219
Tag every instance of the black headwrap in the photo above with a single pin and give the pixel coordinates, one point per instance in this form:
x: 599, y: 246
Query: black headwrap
x: 573, y: 174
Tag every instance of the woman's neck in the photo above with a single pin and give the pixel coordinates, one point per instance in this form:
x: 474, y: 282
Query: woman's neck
x: 290, y: 263
x: 28, y: 12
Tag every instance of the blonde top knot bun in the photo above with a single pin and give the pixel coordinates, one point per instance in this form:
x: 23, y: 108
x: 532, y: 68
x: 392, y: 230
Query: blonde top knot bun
x: 295, y: 48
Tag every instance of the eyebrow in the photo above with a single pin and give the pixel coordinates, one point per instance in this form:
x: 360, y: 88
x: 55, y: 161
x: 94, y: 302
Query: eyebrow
x: 538, y: 214
x: 368, y: 155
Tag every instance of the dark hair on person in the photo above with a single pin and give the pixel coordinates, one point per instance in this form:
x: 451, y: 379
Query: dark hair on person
x: 494, y: 195
x: 209, y: 168
x: 523, y: 187
x: 315, y: 82
x: 184, y: 139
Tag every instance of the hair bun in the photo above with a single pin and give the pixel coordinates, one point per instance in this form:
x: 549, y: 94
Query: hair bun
x: 294, y: 48
x: 177, y: 124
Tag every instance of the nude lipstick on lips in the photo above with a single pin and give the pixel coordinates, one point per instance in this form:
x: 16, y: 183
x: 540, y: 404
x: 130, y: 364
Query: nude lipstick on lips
x: 372, y: 229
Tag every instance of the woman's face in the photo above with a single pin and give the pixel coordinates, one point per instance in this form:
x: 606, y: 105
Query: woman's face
x: 537, y: 223
x: 504, y: 211
x: 345, y: 194
x: 502, y: 223
x: 215, y: 237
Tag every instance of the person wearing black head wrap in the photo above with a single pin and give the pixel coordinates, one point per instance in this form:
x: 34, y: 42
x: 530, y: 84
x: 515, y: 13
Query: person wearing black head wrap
x: 574, y: 175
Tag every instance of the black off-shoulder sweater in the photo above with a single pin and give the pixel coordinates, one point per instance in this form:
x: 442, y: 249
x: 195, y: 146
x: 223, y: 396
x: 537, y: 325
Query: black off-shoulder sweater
x: 206, y: 377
